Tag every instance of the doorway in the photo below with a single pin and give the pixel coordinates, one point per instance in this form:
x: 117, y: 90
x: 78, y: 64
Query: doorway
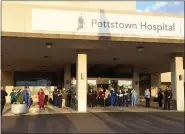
x: 104, y: 86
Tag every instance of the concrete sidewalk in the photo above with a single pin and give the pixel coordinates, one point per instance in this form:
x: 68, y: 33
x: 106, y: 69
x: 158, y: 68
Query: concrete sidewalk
x: 34, y: 110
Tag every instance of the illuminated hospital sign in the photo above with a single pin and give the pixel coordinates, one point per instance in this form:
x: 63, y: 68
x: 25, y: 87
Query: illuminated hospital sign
x: 106, y: 24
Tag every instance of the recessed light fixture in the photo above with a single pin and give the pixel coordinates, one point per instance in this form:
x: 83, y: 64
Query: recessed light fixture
x: 46, y: 56
x: 115, y: 59
x: 49, y: 45
x: 9, y: 66
x: 140, y: 48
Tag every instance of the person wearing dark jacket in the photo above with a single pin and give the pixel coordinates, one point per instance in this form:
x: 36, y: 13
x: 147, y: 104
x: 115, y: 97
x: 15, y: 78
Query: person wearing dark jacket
x: 90, y: 98
x: 55, y: 98
x: 168, y: 97
x: 69, y: 97
x: 119, y: 98
x: 59, y: 98
x: 125, y: 97
x: 3, y: 99
x: 160, y: 98
x: 95, y: 98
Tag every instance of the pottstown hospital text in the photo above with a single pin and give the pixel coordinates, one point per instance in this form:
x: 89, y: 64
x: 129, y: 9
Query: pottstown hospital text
x: 143, y: 25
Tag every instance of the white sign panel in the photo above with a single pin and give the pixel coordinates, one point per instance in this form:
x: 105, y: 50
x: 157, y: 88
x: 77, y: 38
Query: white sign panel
x: 94, y: 23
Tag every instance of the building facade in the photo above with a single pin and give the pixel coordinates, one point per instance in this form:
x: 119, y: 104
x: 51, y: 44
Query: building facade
x: 57, y: 42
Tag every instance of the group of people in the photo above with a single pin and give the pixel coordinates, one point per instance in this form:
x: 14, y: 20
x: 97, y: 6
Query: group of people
x: 165, y: 97
x: 16, y: 96
x: 111, y: 97
x: 101, y: 97
x: 21, y: 96
x: 61, y: 98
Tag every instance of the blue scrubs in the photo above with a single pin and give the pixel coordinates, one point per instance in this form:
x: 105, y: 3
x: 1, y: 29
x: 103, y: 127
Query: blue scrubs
x: 113, y: 98
x: 12, y: 96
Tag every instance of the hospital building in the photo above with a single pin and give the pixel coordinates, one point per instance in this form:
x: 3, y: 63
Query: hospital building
x: 89, y: 45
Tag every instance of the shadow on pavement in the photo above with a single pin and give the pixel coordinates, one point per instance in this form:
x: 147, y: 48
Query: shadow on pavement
x: 104, y: 122
x: 110, y: 123
x: 42, y: 123
x: 150, y: 122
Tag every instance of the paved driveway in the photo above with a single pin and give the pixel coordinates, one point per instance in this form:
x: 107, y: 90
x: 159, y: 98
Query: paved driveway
x: 110, y: 122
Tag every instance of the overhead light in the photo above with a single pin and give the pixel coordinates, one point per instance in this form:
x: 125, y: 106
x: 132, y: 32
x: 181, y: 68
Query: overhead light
x: 9, y: 66
x: 115, y: 59
x: 46, y: 56
x: 140, y: 49
x: 49, y: 45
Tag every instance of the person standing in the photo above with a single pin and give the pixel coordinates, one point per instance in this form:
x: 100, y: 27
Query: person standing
x: 46, y: 92
x: 133, y: 97
x: 160, y: 98
x: 106, y: 97
x: 41, y: 96
x: 55, y: 98
x: 147, y: 97
x: 12, y: 96
x: 25, y: 95
x: 90, y: 98
x: 125, y: 97
x: 95, y: 98
x: 30, y: 101
x: 102, y: 97
x: 113, y: 97
x: 168, y: 97
x: 69, y: 97
x: 59, y: 99
x: 3, y: 99
x: 64, y: 96
x: 119, y: 98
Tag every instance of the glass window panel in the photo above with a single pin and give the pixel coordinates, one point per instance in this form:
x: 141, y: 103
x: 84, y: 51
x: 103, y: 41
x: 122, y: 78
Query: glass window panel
x: 49, y: 83
x: 31, y: 83
x: 125, y: 83
x: 42, y: 82
x: 20, y: 83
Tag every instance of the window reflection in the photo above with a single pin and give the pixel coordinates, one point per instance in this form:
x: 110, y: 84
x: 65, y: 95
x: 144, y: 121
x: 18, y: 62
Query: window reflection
x: 40, y: 82
x: 125, y: 84
x: 20, y: 83
x: 31, y: 83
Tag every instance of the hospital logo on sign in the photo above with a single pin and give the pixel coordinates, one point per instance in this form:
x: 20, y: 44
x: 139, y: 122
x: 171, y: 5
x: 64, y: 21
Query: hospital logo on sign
x: 81, y: 23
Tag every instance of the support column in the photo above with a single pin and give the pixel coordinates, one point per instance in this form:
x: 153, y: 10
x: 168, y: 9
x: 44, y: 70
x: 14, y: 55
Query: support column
x: 67, y: 76
x: 155, y: 84
x: 136, y: 86
x: 81, y: 77
x: 177, y: 83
